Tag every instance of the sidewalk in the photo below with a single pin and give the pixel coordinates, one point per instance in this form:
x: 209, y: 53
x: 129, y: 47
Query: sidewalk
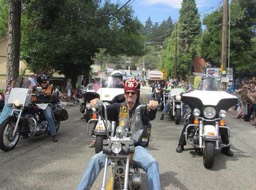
x: 232, y: 114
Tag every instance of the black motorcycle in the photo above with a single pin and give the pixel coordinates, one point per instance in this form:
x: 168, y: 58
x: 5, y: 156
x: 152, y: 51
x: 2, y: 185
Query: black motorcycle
x: 27, y: 118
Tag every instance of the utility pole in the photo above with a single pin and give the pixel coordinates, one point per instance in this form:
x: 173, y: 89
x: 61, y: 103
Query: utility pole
x: 224, y: 42
x: 176, y: 49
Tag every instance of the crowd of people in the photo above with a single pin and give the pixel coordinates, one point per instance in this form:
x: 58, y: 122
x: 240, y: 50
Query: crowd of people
x: 245, y: 91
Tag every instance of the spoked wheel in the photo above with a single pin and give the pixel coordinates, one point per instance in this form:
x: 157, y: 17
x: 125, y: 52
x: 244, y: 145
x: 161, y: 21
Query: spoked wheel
x: 209, y: 154
x: 8, y: 140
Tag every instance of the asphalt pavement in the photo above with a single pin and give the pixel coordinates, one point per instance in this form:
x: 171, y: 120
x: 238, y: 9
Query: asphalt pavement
x: 40, y: 164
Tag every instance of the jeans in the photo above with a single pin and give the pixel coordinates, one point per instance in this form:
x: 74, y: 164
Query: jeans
x: 167, y: 108
x: 142, y: 158
x: 7, y: 110
x: 51, y: 124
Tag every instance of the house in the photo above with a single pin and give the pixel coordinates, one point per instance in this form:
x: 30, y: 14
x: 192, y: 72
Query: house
x: 3, y: 61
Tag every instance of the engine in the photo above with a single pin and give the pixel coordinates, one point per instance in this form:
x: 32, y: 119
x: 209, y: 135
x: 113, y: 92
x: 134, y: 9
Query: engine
x: 36, y: 124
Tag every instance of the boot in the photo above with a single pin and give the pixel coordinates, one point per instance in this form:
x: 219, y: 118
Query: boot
x: 227, y: 151
x: 92, y: 145
x: 180, y: 148
x: 54, y: 138
x: 162, y: 117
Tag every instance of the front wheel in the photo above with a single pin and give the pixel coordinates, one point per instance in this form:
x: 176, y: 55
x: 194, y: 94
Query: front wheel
x: 82, y: 107
x: 177, y: 116
x: 209, y: 154
x: 99, y: 143
x: 8, y: 141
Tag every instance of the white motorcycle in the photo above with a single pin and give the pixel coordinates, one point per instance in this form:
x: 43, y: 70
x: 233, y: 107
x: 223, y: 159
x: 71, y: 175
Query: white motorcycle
x: 208, y: 109
x: 176, y: 105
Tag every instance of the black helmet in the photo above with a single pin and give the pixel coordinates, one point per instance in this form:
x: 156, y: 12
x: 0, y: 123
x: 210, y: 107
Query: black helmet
x: 42, y: 78
x: 208, y: 82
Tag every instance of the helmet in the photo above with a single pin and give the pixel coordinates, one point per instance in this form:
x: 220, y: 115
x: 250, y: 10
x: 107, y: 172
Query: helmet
x: 117, y: 74
x: 208, y: 82
x: 42, y: 78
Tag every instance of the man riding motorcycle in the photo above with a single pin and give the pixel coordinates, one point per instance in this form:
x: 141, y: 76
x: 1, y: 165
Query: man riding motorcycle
x: 207, y: 83
x: 124, y: 115
x: 43, y: 82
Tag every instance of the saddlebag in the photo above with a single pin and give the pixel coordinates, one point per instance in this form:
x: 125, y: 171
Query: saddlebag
x: 60, y: 113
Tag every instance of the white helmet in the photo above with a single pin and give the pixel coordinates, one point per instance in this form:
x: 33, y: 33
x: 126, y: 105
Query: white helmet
x: 117, y: 74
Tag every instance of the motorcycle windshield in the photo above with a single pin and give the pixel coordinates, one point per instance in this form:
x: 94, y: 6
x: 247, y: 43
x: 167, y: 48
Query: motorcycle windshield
x: 176, y: 91
x: 219, y: 99
x: 20, y: 96
x: 113, y: 82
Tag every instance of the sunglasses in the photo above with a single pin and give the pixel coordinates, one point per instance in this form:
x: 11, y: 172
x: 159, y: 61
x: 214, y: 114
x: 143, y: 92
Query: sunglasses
x: 132, y: 93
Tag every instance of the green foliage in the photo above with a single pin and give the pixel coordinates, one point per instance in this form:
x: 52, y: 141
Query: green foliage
x: 185, y: 38
x: 242, y: 35
x: 3, y: 18
x: 64, y: 35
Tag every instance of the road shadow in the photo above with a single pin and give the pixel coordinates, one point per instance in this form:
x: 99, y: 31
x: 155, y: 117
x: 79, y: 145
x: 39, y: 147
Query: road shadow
x: 168, y: 179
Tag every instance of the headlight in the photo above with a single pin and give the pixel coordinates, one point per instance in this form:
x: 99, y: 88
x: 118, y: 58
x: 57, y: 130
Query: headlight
x: 222, y: 113
x: 196, y: 112
x: 209, y: 112
x: 17, y: 104
x: 120, y: 132
x: 100, y: 127
x: 178, y: 97
x: 116, y: 147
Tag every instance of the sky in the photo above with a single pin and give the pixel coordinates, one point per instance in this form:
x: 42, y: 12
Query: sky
x: 160, y: 10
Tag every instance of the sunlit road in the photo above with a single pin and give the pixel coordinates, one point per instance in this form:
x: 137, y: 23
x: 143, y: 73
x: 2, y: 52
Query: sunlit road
x: 39, y: 164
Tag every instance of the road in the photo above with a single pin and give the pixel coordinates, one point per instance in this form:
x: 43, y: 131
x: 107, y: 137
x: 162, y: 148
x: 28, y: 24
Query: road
x: 40, y: 164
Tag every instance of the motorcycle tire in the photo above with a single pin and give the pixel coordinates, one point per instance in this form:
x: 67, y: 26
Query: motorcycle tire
x: 99, y: 143
x: 177, y: 116
x: 7, y: 140
x: 161, y: 107
x: 209, y: 154
x: 82, y: 107
x: 57, y: 123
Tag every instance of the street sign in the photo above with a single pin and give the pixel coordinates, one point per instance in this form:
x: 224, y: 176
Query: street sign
x: 217, y: 73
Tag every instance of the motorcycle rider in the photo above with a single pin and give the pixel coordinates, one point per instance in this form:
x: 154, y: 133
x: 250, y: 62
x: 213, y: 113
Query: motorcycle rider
x: 207, y: 83
x: 124, y: 114
x: 43, y: 82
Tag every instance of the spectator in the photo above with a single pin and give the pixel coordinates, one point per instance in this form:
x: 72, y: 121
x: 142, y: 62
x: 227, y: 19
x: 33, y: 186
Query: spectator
x: 69, y: 89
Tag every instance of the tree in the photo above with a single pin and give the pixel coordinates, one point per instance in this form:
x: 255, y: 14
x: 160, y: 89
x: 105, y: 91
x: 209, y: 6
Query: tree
x: 183, y: 44
x: 189, y: 31
x: 242, y: 37
x: 13, y: 50
x: 3, y: 18
x: 64, y: 35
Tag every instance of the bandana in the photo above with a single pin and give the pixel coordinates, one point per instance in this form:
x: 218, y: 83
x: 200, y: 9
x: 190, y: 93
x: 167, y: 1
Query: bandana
x: 131, y: 85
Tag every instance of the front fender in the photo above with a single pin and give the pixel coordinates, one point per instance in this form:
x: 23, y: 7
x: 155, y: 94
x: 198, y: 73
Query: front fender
x: 210, y: 132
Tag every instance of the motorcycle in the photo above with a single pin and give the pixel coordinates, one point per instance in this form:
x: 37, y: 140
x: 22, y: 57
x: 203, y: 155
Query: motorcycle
x: 164, y: 98
x: 27, y: 119
x: 157, y: 94
x: 209, y: 109
x: 119, y: 149
x: 176, y: 105
x: 109, y: 94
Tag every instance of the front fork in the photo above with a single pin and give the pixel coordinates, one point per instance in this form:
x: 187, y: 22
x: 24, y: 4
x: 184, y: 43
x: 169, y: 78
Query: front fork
x: 18, y: 120
x: 208, y: 133
x: 126, y: 179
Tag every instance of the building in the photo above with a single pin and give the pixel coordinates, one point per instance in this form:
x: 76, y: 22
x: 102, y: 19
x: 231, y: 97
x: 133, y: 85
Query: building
x: 3, y: 61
